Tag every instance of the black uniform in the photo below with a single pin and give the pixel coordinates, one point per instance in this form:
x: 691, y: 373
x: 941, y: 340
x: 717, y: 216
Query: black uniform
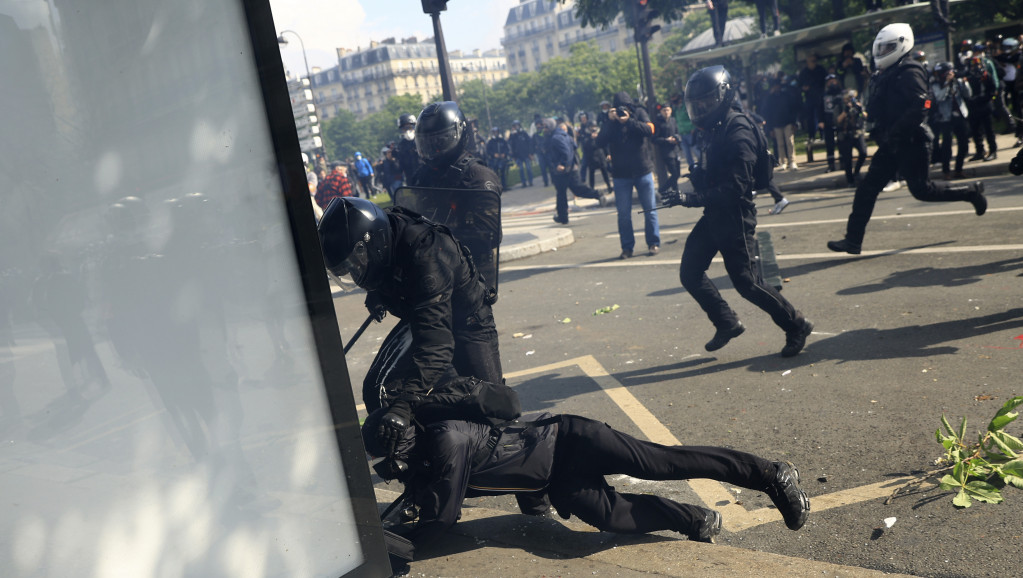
x: 849, y: 125
x: 468, y: 172
x: 897, y: 107
x: 434, y: 287
x: 408, y: 159
x: 729, y: 152
x: 666, y: 139
x: 568, y: 459
x: 498, y: 153
x: 832, y: 106
x: 981, y: 107
x: 540, y: 149
x: 948, y: 120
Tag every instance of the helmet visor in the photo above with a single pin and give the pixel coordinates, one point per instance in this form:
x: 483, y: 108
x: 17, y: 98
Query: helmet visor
x: 436, y: 144
x: 701, y: 107
x: 885, y: 48
x: 356, y: 264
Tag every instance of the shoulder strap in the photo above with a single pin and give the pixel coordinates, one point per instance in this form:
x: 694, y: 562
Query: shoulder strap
x: 497, y: 430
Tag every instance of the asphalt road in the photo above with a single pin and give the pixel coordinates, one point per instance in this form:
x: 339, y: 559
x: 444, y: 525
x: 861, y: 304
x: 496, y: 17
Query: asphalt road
x: 929, y: 320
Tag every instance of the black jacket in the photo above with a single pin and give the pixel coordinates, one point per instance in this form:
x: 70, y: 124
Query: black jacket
x: 897, y: 105
x: 434, y: 288
x: 664, y: 129
x: 408, y: 159
x: 521, y: 145
x: 730, y: 149
x: 627, y: 142
x: 443, y: 475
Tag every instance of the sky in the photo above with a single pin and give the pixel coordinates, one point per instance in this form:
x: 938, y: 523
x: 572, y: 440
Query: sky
x: 324, y: 25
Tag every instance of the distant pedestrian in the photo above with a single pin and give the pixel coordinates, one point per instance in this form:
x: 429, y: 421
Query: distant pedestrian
x: 334, y: 185
x: 364, y: 172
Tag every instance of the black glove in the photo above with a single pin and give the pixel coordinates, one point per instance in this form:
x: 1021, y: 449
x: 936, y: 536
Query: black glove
x: 671, y: 198
x: 393, y: 425
x: 692, y: 200
x: 1016, y: 165
x: 698, y: 176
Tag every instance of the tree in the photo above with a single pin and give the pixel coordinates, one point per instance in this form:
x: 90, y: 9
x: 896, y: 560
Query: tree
x: 602, y: 13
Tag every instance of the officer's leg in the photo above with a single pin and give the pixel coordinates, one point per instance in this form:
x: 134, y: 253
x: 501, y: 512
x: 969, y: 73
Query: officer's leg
x: 881, y: 171
x: 913, y: 167
x: 592, y: 500
x: 696, y: 258
x: 735, y: 241
x: 477, y: 352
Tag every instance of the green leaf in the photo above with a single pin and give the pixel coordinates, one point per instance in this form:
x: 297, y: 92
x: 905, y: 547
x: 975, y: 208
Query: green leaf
x: 1013, y: 442
x: 1005, y: 415
x: 996, y: 437
x: 962, y: 500
x: 948, y: 426
x: 949, y: 483
x: 962, y: 429
x: 1013, y: 468
x: 1016, y: 481
x: 959, y: 473
x: 984, y: 492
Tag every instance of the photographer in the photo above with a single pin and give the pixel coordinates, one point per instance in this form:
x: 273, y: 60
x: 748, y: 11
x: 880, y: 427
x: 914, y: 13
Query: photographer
x: 625, y: 136
x: 849, y: 133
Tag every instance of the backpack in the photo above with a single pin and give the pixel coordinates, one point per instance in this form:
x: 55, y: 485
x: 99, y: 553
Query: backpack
x: 763, y: 169
x: 464, y: 398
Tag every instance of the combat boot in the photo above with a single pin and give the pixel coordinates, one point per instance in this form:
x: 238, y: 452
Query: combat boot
x: 973, y: 194
x: 795, y: 340
x: 844, y: 246
x: 706, y: 529
x: 787, y: 496
x: 723, y: 335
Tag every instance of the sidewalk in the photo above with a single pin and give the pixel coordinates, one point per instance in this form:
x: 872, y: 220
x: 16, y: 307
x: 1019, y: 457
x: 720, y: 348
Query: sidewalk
x: 525, y: 240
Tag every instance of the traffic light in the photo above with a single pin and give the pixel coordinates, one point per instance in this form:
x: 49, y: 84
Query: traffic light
x: 644, y: 18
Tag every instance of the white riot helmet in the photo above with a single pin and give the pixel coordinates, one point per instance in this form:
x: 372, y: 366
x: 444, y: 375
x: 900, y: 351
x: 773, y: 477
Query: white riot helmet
x: 892, y: 43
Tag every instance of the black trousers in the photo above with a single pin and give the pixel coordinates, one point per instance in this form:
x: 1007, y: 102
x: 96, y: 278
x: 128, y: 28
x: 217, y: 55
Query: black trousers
x: 544, y: 166
x: 476, y: 347
x: 768, y: 9
x: 563, y: 182
x: 845, y: 149
x: 718, y: 18
x: 981, y: 128
x: 829, y: 143
x: 944, y: 131
x: 588, y: 450
x: 592, y: 168
x: 668, y: 173
x: 911, y: 162
x: 731, y: 233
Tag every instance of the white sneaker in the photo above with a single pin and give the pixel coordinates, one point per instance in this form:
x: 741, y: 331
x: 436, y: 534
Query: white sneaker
x: 779, y: 206
x: 892, y: 186
x: 793, y: 166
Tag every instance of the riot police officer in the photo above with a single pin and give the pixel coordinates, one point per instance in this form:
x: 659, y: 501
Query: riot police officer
x: 446, y: 144
x: 417, y: 271
x: 724, y: 182
x: 407, y: 155
x: 898, y: 107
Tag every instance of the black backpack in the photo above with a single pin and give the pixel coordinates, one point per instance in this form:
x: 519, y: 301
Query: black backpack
x: 763, y: 169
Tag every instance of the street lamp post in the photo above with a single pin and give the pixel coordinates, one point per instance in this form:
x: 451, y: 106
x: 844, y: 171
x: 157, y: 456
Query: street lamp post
x: 284, y: 41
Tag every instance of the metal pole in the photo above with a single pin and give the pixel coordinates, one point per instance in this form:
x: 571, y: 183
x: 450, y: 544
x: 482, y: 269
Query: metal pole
x: 447, y: 83
x: 302, y: 44
x: 485, y: 102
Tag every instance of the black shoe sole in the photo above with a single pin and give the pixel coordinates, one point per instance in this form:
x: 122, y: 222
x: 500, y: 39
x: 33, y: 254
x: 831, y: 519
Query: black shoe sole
x: 732, y: 334
x: 840, y: 247
x: 803, y: 334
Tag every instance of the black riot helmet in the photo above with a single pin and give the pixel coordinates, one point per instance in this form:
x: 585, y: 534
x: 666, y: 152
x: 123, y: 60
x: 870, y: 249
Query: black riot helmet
x: 355, y: 235
x: 441, y: 132
x: 709, y: 93
x: 406, y: 119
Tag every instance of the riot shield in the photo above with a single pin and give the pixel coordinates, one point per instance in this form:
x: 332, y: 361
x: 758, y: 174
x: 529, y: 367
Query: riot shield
x: 472, y: 215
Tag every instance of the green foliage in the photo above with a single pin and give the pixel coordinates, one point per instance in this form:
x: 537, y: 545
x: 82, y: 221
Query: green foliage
x: 344, y: 134
x: 980, y: 470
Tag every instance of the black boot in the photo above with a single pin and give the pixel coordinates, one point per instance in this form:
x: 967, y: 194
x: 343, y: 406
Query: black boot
x: 787, y: 496
x: 723, y: 336
x: 973, y: 194
x: 795, y: 340
x: 709, y: 527
x: 844, y: 246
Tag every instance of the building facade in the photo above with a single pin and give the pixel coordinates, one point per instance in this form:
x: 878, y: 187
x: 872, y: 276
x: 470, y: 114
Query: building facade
x: 538, y: 30
x: 365, y: 79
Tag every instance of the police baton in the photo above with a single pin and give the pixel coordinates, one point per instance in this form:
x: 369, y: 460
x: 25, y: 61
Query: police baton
x: 358, y: 333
